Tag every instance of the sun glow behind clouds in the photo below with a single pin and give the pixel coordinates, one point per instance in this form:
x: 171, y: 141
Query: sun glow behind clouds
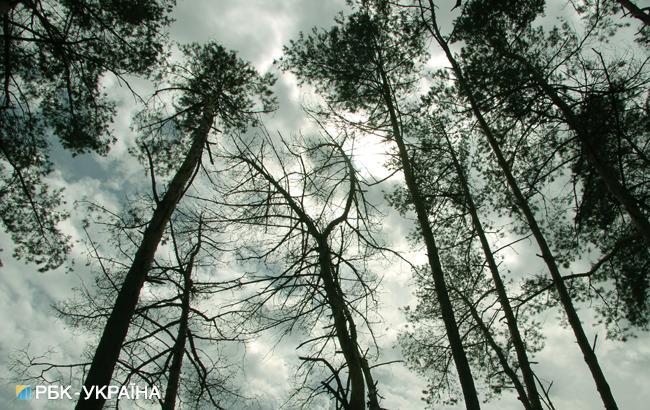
x: 370, y: 156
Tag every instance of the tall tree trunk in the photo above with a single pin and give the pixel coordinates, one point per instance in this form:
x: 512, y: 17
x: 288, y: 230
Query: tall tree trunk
x: 511, y: 320
x: 442, y: 293
x: 373, y: 400
x: 565, y: 299
x: 346, y: 338
x: 343, y: 321
x: 178, y: 351
x: 117, y: 326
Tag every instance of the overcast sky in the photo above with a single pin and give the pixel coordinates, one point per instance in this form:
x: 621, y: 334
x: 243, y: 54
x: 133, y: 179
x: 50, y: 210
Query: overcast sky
x: 257, y: 30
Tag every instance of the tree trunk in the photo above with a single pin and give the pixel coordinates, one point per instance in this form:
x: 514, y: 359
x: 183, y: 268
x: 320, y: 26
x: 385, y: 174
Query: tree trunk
x: 503, y: 360
x: 178, y: 350
x: 565, y: 299
x: 442, y: 293
x: 636, y: 11
x: 373, y: 402
x: 347, y: 339
x: 511, y: 320
x: 117, y: 325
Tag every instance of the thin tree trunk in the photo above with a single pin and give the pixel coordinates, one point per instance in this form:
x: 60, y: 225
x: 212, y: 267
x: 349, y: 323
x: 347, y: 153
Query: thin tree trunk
x: 565, y: 299
x: 373, y: 402
x: 178, y: 350
x: 503, y: 360
x: 117, y: 325
x: 442, y: 293
x: 346, y: 339
x: 511, y: 320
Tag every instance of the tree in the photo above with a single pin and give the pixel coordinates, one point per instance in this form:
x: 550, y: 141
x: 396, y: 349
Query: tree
x: 306, y: 204
x: 636, y: 11
x: 364, y: 65
x: 215, y: 89
x: 174, y: 343
x: 55, y: 54
x: 602, y: 109
x: 452, y: 207
x: 466, y: 89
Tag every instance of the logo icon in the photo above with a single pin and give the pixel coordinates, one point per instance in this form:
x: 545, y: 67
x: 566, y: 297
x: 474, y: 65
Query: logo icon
x: 23, y: 392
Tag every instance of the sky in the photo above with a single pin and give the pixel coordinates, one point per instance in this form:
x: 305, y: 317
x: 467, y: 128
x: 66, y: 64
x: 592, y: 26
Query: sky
x: 257, y: 30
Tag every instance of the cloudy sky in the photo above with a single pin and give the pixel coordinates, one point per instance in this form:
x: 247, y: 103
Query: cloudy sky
x: 257, y: 30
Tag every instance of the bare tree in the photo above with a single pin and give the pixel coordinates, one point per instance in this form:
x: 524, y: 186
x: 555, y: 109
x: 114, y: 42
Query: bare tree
x: 365, y: 65
x: 306, y: 206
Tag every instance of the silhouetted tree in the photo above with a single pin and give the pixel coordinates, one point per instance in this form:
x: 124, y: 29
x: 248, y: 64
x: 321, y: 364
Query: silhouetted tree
x: 602, y: 117
x: 215, y: 89
x: 453, y: 211
x: 54, y: 55
x: 175, y: 336
x: 301, y: 209
x: 365, y: 65
x: 467, y: 89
